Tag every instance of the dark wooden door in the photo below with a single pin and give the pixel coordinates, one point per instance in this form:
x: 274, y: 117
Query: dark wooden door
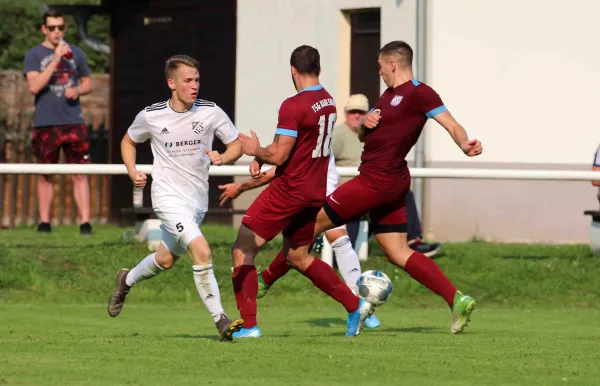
x: 144, y: 35
x: 365, y: 38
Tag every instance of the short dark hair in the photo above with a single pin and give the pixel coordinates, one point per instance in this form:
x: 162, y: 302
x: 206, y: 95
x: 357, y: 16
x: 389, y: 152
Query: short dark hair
x: 399, y: 48
x: 175, y: 61
x: 51, y: 12
x: 306, y: 60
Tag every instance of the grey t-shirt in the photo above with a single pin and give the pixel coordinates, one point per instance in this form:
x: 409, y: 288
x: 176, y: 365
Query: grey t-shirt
x: 52, y: 108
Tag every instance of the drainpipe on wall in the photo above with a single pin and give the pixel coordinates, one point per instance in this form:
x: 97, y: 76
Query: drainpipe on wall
x: 418, y: 187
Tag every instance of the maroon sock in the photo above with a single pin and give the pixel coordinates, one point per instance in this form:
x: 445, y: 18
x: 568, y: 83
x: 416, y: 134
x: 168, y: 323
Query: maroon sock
x: 245, y: 288
x: 425, y: 271
x: 325, y: 278
x: 277, y: 269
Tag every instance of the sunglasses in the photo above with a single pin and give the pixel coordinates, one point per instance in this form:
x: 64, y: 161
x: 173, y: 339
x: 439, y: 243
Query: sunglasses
x: 61, y: 27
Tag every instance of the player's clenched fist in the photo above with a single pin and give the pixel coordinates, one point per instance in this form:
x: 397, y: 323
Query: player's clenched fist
x: 371, y: 120
x: 255, y: 167
x: 138, y: 178
x: 215, y: 157
x: 472, y: 148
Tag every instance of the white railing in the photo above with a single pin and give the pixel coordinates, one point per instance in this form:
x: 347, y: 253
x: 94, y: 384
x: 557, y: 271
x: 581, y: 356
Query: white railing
x: 238, y: 170
x: 327, y: 254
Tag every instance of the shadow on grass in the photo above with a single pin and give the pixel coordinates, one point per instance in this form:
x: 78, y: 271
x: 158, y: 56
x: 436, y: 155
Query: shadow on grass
x: 390, y: 331
x: 190, y: 336
x: 408, y: 330
x: 218, y: 338
x: 326, y: 322
x: 334, y: 322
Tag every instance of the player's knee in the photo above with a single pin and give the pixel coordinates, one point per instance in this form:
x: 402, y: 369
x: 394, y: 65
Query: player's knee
x: 165, y: 259
x: 246, y: 243
x: 398, y: 255
x: 200, y: 253
x: 295, y: 258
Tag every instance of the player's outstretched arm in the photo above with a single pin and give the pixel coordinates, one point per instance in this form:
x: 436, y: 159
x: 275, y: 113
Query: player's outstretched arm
x: 229, y: 156
x: 233, y: 152
x: 233, y: 190
x: 128, y: 153
x: 470, y: 147
x: 275, y: 154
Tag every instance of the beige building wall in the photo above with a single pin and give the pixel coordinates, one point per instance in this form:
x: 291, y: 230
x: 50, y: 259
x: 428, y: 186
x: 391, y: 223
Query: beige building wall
x: 523, y: 82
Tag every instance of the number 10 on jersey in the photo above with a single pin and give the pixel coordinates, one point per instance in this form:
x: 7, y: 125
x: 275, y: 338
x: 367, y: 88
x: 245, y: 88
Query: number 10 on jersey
x: 325, y: 125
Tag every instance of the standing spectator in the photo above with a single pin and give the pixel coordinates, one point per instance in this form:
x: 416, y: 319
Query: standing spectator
x: 347, y: 149
x: 58, y: 74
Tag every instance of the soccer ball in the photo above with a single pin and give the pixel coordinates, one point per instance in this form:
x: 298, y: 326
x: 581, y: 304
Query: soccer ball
x: 375, y: 287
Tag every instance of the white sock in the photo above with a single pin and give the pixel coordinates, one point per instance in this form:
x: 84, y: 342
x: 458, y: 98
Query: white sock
x: 146, y: 269
x: 347, y: 261
x: 208, y: 289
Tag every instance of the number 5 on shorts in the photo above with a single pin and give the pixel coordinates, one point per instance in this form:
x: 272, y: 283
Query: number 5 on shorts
x: 179, y: 227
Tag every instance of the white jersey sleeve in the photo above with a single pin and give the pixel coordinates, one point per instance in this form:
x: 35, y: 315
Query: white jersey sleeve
x: 597, y: 158
x: 225, y: 130
x: 139, y: 131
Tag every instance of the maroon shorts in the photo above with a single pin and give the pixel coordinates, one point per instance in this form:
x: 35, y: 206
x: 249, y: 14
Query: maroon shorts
x: 270, y: 214
x: 48, y: 140
x: 383, y: 202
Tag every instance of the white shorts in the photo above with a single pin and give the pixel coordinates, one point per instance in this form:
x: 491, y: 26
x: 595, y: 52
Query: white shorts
x: 180, y: 226
x: 333, y: 179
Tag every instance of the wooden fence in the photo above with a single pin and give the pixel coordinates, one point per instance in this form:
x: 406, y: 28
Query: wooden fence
x: 18, y: 194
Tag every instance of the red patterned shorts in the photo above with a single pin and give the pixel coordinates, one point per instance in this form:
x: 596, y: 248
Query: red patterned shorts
x: 73, y: 139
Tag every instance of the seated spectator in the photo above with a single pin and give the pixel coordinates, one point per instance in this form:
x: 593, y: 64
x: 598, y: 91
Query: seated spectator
x: 348, y: 149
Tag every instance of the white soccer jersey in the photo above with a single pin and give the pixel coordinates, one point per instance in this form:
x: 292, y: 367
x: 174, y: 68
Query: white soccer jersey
x: 333, y: 177
x: 179, y: 141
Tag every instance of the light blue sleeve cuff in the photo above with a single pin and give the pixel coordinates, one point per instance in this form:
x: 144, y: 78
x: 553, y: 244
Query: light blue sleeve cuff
x: 288, y: 132
x: 436, y: 111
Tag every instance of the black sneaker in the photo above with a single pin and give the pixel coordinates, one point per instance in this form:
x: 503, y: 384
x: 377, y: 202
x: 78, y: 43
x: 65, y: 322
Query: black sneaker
x: 428, y: 250
x: 116, y: 301
x: 44, y: 227
x: 85, y: 229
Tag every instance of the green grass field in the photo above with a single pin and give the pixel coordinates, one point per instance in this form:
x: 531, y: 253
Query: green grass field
x: 537, y: 323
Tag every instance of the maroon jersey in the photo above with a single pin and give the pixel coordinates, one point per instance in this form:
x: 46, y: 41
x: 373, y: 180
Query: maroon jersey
x: 310, y: 117
x: 404, y: 111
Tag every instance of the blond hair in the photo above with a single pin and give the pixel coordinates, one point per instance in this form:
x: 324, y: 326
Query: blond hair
x: 175, y: 61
